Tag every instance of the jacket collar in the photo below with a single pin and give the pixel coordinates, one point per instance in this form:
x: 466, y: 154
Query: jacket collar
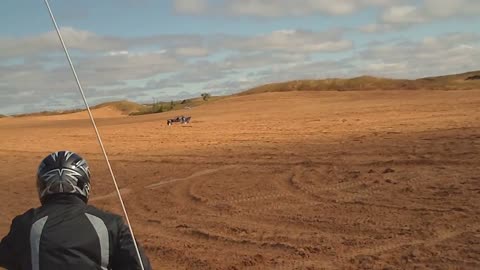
x: 64, y: 198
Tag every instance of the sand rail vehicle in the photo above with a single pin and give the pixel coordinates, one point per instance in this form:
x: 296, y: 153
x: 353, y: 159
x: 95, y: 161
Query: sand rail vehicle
x: 179, y: 119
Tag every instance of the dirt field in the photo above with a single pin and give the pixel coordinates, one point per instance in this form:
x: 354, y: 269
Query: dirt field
x: 298, y: 180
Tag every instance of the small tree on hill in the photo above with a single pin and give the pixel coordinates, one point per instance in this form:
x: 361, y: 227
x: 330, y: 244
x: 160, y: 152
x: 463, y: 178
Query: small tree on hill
x: 205, y: 96
x: 157, y: 107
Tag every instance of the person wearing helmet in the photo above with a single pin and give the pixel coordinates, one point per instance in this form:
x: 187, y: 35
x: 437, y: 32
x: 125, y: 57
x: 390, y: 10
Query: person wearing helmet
x: 65, y: 232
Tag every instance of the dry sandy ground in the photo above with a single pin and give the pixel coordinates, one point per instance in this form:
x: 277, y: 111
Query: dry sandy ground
x: 307, y: 180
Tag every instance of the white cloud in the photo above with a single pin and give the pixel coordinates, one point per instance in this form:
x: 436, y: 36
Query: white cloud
x: 406, y: 14
x: 275, y: 8
x: 191, y: 51
x: 261, y: 59
x: 376, y: 28
x: 48, y: 42
x: 294, y: 41
x: 114, y: 53
x: 381, y: 66
x: 283, y: 8
x: 183, y: 45
x: 190, y: 6
x: 301, y: 41
x: 122, y: 67
x: 394, y: 14
x: 450, y: 53
x: 403, y: 15
x: 449, y: 8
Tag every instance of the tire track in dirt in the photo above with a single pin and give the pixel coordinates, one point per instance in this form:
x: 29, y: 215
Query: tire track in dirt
x: 413, y: 208
x: 291, y: 246
x: 353, y: 198
x: 197, y: 192
x: 113, y: 194
x: 330, y: 228
x: 197, y: 196
x: 296, y: 221
x: 192, y: 176
x: 226, y: 221
x: 261, y: 196
x: 290, y: 190
x: 252, y: 197
x: 184, y: 192
x: 126, y: 191
x: 216, y: 234
x: 225, y: 242
x: 294, y: 182
x: 394, y: 245
x: 441, y: 236
x: 165, y: 246
x: 227, y: 239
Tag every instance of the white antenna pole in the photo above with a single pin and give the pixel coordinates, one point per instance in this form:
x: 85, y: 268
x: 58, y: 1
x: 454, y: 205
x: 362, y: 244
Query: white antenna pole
x: 96, y: 131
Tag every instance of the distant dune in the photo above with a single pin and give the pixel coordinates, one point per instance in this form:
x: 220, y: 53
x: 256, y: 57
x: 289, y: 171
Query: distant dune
x: 124, y: 106
x: 464, y: 81
x: 103, y: 110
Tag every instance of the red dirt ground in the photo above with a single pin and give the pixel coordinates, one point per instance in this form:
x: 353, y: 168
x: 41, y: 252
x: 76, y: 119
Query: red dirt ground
x: 297, y: 180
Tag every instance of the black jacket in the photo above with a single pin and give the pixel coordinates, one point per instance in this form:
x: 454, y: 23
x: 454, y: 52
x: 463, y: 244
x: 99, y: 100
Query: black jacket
x: 66, y: 233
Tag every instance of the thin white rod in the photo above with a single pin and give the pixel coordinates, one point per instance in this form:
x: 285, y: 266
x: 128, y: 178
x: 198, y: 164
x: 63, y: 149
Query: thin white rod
x: 96, y: 131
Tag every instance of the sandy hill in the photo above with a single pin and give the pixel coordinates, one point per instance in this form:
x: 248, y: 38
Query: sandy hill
x: 103, y: 110
x: 464, y: 81
x: 125, y: 107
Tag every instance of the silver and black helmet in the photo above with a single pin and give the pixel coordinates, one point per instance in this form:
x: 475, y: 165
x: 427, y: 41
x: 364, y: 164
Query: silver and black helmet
x: 63, y: 172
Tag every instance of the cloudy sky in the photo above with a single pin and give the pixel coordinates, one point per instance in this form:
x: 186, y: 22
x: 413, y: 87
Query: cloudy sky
x: 171, y: 49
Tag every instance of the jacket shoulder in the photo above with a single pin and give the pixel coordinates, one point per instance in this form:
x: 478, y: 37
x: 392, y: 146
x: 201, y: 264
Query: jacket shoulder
x: 109, y: 218
x: 21, y: 224
x: 26, y: 218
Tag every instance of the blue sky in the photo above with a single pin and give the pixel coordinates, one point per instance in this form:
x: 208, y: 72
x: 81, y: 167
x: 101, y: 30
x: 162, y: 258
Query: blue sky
x: 146, y: 49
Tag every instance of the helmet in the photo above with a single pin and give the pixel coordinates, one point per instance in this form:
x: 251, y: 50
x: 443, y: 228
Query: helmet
x: 63, y: 172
